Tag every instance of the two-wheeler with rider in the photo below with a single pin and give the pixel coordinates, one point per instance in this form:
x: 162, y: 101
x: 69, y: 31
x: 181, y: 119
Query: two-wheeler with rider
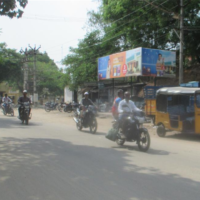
x: 7, y: 108
x: 85, y: 117
x: 131, y: 129
x: 25, y: 115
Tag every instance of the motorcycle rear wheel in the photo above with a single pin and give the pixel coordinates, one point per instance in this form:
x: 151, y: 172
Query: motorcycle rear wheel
x: 120, y: 142
x: 47, y: 109
x: 60, y: 108
x: 93, y: 126
x: 144, y: 141
x: 79, y: 125
x: 12, y: 112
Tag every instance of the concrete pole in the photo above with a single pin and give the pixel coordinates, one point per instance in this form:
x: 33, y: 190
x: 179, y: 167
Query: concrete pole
x: 181, y: 44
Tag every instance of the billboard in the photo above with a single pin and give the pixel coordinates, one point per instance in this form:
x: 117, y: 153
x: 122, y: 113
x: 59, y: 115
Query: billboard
x: 123, y: 64
x: 158, y: 63
x: 137, y: 62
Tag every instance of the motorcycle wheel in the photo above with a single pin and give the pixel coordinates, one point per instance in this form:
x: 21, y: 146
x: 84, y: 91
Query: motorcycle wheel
x: 93, y: 126
x: 79, y: 125
x: 4, y: 112
x: 120, y: 142
x: 27, y: 120
x: 12, y: 112
x: 69, y: 110
x: 144, y: 141
x: 60, y: 108
x: 47, y: 109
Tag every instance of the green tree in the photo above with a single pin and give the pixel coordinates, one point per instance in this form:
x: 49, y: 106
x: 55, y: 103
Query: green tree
x: 10, y: 66
x: 150, y: 23
x: 12, y: 8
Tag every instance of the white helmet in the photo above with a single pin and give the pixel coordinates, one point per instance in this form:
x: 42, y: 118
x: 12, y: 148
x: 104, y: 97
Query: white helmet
x: 25, y: 91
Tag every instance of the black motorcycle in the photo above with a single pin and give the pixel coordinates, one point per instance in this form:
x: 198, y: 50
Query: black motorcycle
x: 68, y: 108
x: 88, y: 121
x: 61, y: 106
x: 7, y: 109
x: 49, y: 106
x: 25, y: 113
x: 132, y: 128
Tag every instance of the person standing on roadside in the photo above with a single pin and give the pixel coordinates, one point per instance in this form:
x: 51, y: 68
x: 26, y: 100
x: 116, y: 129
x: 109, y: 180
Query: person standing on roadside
x: 116, y: 102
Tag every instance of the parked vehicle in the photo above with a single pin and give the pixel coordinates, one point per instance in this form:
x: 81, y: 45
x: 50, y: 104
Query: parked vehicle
x: 68, y: 108
x: 88, y: 120
x: 150, y: 101
x: 25, y: 110
x: 49, y: 106
x: 61, y: 106
x: 133, y: 130
x: 7, y: 109
x: 178, y: 109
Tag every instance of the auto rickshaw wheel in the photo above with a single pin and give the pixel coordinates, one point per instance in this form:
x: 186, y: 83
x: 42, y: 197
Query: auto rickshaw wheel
x: 161, y: 131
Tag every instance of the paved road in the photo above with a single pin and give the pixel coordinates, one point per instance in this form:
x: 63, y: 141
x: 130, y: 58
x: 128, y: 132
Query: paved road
x: 51, y: 160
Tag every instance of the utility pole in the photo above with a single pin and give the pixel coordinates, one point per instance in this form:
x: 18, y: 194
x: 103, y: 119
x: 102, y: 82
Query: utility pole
x: 34, y: 52
x: 181, y: 44
x: 25, y: 68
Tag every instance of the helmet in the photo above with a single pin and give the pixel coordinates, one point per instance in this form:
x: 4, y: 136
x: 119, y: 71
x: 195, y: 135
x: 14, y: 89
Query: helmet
x: 25, y: 91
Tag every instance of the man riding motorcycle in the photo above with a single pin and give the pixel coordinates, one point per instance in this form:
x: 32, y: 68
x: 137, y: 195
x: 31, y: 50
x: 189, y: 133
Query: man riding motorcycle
x: 126, y: 107
x: 23, y: 99
x: 6, y: 100
x: 85, y: 103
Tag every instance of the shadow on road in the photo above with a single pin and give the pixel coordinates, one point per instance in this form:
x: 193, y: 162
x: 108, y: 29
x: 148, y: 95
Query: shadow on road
x: 54, y: 169
x: 182, y: 136
x: 14, y: 122
x: 134, y: 147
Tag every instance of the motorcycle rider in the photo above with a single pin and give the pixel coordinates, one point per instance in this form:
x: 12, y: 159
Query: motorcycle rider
x: 116, y: 102
x: 85, y: 102
x: 126, y: 107
x: 23, y: 99
x: 5, y: 101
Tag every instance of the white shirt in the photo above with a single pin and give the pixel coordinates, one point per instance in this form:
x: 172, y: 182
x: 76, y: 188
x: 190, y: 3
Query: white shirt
x: 125, y: 106
x: 6, y: 100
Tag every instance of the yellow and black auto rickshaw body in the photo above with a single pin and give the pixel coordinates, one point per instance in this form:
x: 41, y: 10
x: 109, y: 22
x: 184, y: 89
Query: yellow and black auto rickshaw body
x: 178, y: 109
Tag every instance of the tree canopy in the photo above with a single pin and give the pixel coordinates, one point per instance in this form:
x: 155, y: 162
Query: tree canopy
x: 127, y: 24
x: 49, y: 77
x: 12, y: 8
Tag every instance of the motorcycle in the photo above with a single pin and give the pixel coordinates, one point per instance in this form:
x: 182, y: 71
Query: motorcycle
x: 89, y: 119
x: 68, y: 108
x: 50, y: 106
x: 61, y: 106
x: 132, y: 128
x: 24, y: 114
x: 7, y: 109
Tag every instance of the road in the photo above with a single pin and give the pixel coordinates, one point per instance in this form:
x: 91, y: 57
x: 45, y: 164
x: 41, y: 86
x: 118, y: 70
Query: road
x: 50, y: 160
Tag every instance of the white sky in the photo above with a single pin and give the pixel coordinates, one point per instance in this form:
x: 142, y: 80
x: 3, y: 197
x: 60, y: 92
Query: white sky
x: 54, y: 24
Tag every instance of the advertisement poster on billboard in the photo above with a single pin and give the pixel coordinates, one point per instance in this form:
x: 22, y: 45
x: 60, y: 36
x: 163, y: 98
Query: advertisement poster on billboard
x: 158, y: 63
x: 138, y: 62
x: 123, y: 64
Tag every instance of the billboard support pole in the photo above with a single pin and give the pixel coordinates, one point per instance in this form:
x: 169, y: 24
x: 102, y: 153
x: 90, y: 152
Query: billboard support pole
x: 155, y: 81
x: 131, y: 85
x: 113, y: 89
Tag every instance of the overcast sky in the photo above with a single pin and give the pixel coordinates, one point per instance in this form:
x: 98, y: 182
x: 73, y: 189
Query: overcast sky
x: 54, y: 24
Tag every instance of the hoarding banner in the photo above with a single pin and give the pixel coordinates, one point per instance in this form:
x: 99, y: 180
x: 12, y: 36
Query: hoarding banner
x: 158, y: 63
x: 137, y: 62
x: 123, y: 64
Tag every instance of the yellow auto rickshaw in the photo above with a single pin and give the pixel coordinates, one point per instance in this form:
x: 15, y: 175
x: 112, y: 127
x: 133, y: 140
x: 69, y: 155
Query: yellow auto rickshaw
x: 178, y: 109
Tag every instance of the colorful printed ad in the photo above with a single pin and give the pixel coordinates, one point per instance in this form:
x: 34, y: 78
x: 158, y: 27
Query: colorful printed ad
x: 158, y: 63
x: 127, y: 63
x: 137, y: 62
